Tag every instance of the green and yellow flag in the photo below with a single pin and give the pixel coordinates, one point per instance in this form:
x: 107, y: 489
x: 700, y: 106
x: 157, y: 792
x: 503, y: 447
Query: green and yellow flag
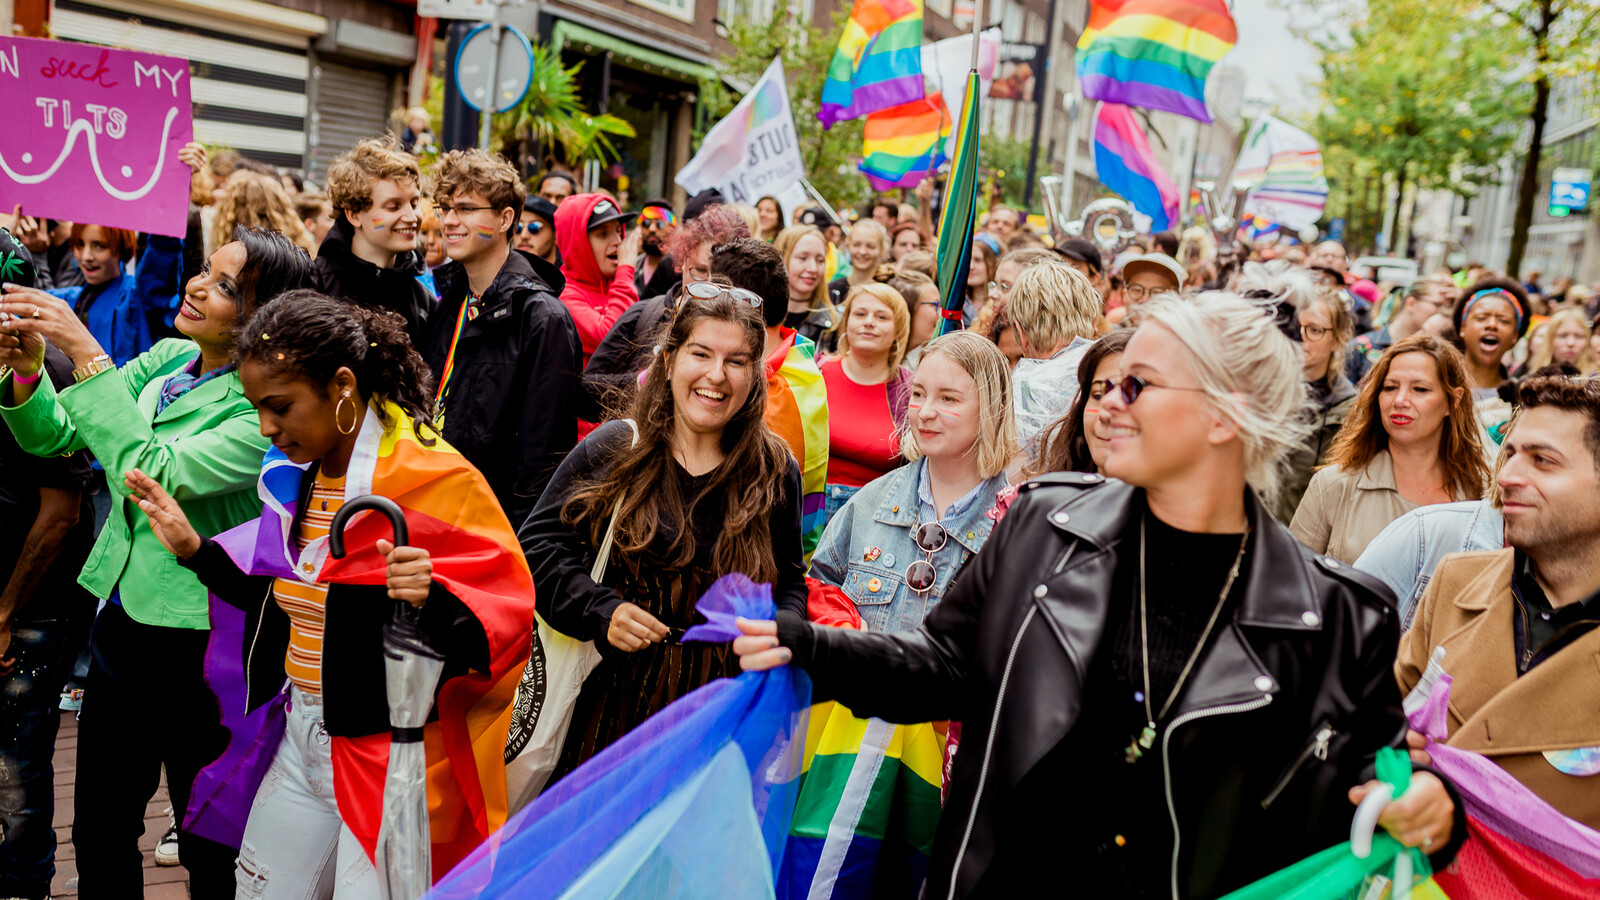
x: 958, y: 222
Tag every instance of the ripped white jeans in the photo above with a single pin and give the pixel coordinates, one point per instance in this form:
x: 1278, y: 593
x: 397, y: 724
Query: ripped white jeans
x: 295, y: 845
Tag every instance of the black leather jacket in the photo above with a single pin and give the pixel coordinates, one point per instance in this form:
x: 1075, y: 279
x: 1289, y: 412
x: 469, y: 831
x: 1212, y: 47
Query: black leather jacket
x: 1284, y: 712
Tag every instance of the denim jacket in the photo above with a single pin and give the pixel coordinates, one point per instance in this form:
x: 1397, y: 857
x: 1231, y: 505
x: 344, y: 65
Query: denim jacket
x: 867, y: 547
x: 1405, y: 553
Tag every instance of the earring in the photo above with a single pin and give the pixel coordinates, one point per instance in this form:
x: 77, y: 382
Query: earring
x: 355, y: 414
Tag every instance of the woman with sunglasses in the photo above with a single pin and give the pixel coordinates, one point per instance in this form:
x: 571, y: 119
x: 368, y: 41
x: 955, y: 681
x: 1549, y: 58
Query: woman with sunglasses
x: 692, y: 487
x: 1163, y: 694
x: 895, y: 546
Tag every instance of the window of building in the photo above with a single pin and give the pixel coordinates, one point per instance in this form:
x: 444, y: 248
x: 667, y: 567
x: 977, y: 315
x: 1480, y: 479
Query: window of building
x: 678, y: 9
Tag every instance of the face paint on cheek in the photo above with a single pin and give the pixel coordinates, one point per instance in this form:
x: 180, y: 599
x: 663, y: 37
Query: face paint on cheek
x: 379, y: 224
x: 483, y: 233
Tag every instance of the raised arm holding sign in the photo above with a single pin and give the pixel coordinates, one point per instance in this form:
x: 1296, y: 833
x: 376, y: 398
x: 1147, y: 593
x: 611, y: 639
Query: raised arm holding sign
x: 93, y: 134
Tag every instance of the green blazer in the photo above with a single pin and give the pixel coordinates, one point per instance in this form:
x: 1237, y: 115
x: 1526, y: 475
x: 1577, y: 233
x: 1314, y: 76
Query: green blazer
x: 205, y: 449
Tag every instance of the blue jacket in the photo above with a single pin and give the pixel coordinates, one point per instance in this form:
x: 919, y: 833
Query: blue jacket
x: 121, y: 313
x: 1407, y: 550
x: 867, y: 546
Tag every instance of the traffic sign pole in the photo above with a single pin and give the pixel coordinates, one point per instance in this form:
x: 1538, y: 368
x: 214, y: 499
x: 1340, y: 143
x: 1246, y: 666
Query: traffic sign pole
x: 491, y: 99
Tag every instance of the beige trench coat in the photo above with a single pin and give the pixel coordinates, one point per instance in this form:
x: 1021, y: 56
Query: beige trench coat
x: 1343, y: 511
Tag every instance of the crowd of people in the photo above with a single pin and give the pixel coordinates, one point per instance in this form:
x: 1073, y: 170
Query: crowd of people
x: 1166, y: 531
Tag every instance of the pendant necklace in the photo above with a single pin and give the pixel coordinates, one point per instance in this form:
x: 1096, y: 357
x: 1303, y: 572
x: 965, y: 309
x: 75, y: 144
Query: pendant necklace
x: 1147, y: 737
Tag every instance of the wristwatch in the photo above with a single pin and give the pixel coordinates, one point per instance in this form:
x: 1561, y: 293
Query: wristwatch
x: 93, y: 367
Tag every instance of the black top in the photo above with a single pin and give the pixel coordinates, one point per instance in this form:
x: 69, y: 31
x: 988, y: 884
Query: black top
x: 22, y: 475
x: 1541, y: 629
x: 627, y: 688
x: 613, y: 369
x: 1124, y: 847
x: 342, y: 275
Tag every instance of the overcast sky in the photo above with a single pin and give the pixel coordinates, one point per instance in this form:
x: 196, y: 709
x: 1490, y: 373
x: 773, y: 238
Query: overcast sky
x: 1280, y: 68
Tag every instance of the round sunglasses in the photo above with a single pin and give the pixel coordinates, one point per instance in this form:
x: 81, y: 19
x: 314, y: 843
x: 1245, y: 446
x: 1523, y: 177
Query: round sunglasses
x: 930, y: 538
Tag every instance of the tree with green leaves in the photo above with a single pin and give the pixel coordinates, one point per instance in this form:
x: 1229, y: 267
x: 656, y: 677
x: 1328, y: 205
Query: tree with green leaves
x: 1415, y: 93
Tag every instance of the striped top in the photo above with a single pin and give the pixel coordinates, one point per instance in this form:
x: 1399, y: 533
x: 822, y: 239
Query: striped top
x: 305, y: 603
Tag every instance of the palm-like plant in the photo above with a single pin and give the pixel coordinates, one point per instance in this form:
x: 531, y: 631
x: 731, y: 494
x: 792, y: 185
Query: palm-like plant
x: 11, y: 266
x: 552, y: 114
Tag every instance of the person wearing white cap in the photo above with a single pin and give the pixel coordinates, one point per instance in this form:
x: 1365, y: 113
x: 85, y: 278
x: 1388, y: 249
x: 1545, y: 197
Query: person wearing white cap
x: 1144, y: 277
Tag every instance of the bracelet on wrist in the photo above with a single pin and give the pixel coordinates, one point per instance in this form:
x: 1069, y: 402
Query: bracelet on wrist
x: 19, y: 378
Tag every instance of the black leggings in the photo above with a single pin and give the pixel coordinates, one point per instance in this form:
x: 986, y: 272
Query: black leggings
x: 145, y: 704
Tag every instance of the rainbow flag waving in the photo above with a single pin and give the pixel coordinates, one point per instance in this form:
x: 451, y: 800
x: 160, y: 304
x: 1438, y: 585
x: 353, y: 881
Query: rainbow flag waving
x: 1127, y: 165
x: 1154, y: 53
x: 878, y: 64
x: 453, y: 514
x: 1283, y: 165
x: 905, y: 144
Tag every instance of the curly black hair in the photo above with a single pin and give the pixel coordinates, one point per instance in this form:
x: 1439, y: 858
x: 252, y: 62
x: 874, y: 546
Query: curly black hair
x: 314, y: 335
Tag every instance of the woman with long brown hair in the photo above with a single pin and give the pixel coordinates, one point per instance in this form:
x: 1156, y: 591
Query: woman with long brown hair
x: 1410, y: 440
x: 1073, y: 443
x: 703, y: 489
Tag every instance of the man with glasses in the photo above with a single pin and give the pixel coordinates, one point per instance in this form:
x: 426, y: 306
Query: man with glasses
x: 1145, y: 276
x: 1425, y: 298
x: 504, y: 350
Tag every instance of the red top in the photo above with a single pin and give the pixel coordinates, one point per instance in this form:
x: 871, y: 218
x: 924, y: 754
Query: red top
x: 863, y: 427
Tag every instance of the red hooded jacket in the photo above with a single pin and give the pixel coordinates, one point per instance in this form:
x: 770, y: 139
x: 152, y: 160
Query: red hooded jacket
x: 596, y: 302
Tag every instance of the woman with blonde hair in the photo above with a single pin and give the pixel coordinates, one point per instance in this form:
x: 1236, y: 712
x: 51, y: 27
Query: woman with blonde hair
x: 1566, y: 340
x: 1410, y: 440
x: 869, y: 247
x: 750, y: 215
x: 252, y: 200
x: 896, y: 545
x: 805, y: 256
x: 868, y: 388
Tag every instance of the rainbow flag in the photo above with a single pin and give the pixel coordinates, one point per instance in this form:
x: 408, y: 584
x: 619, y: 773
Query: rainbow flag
x: 1154, y: 53
x: 453, y: 514
x: 797, y: 409
x: 1283, y: 165
x: 868, y: 806
x: 1126, y: 164
x: 752, y: 151
x: 878, y: 64
x: 959, y: 220
x: 905, y: 144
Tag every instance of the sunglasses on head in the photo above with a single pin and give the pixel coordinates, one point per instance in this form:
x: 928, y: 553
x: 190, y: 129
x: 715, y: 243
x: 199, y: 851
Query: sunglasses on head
x: 706, y: 290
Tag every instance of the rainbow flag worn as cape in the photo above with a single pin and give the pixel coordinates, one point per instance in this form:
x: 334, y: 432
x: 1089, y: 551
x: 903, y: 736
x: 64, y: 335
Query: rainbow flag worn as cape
x: 452, y: 513
x: 797, y: 409
x: 878, y: 64
x: 905, y: 144
x: 1126, y: 164
x: 868, y: 808
x: 1154, y: 53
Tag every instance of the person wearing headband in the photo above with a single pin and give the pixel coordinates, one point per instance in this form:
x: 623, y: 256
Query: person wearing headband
x: 657, y: 222
x: 1490, y: 321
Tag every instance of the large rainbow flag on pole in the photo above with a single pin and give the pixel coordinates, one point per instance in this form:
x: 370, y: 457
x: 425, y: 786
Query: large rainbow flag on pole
x: 960, y: 217
x: 879, y: 61
x: 1154, y: 53
x: 451, y: 513
x: 905, y: 144
x: 1126, y: 164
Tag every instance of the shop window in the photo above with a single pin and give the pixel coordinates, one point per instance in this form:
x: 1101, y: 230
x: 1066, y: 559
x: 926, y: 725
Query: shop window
x: 678, y: 9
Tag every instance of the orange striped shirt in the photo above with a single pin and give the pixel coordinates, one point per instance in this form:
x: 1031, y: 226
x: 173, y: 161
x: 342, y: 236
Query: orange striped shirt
x: 305, y: 603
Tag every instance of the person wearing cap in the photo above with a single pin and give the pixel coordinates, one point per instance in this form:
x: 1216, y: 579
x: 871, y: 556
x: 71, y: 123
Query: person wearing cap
x: 504, y: 350
x: 557, y: 186
x: 657, y: 222
x: 1083, y: 255
x: 701, y: 202
x: 597, y: 259
x: 46, y: 530
x: 1145, y: 276
x: 536, y: 230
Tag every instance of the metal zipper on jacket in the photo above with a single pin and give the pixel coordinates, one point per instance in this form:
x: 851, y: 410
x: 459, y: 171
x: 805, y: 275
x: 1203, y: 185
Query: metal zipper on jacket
x: 1166, y: 765
x: 1318, y: 748
x: 250, y: 656
x: 994, y: 725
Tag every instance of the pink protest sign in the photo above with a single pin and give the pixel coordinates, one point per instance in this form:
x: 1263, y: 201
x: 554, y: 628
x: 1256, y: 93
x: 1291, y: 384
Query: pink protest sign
x: 92, y: 134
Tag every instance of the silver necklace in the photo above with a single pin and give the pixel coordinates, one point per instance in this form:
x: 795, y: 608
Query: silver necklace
x: 1147, y: 737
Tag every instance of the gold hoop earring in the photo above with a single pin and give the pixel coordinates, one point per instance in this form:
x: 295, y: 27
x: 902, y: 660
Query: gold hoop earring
x: 355, y: 414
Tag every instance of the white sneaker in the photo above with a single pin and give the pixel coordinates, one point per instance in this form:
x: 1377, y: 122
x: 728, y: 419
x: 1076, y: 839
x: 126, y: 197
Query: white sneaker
x: 167, y: 848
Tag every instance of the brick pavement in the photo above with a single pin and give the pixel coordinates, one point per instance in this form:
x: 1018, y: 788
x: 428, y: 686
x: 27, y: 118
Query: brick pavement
x: 160, y: 882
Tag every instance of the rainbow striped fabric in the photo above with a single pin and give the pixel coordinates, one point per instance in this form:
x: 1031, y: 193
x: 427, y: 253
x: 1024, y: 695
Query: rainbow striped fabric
x: 868, y: 807
x: 1154, y: 53
x: 1127, y: 165
x: 905, y: 144
x: 453, y: 514
x: 797, y: 409
x: 1283, y: 165
x: 958, y: 222
x: 878, y: 64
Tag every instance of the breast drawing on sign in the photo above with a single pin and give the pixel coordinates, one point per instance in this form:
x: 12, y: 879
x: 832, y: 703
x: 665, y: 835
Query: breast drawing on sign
x: 93, y: 133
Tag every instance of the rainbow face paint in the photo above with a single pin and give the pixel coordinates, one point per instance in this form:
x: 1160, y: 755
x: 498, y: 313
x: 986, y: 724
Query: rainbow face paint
x: 483, y: 233
x: 379, y: 223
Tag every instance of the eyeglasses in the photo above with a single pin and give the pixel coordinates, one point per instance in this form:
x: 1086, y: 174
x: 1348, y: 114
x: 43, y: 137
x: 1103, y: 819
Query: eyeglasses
x: 1132, y: 386
x: 1005, y: 286
x: 445, y: 210
x: 1139, y: 291
x: 706, y: 290
x: 930, y: 538
x: 1314, y: 332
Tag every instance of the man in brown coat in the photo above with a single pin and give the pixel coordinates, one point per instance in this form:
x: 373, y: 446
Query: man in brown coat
x: 1519, y: 625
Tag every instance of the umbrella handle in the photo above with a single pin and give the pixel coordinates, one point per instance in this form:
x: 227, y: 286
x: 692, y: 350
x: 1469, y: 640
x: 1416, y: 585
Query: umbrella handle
x: 397, y: 520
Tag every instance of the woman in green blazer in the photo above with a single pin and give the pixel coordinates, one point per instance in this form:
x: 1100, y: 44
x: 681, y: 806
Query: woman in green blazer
x: 178, y: 413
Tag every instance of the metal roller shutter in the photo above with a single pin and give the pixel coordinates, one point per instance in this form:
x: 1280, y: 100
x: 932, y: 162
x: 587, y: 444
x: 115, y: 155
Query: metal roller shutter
x: 352, y: 104
x: 249, y: 90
